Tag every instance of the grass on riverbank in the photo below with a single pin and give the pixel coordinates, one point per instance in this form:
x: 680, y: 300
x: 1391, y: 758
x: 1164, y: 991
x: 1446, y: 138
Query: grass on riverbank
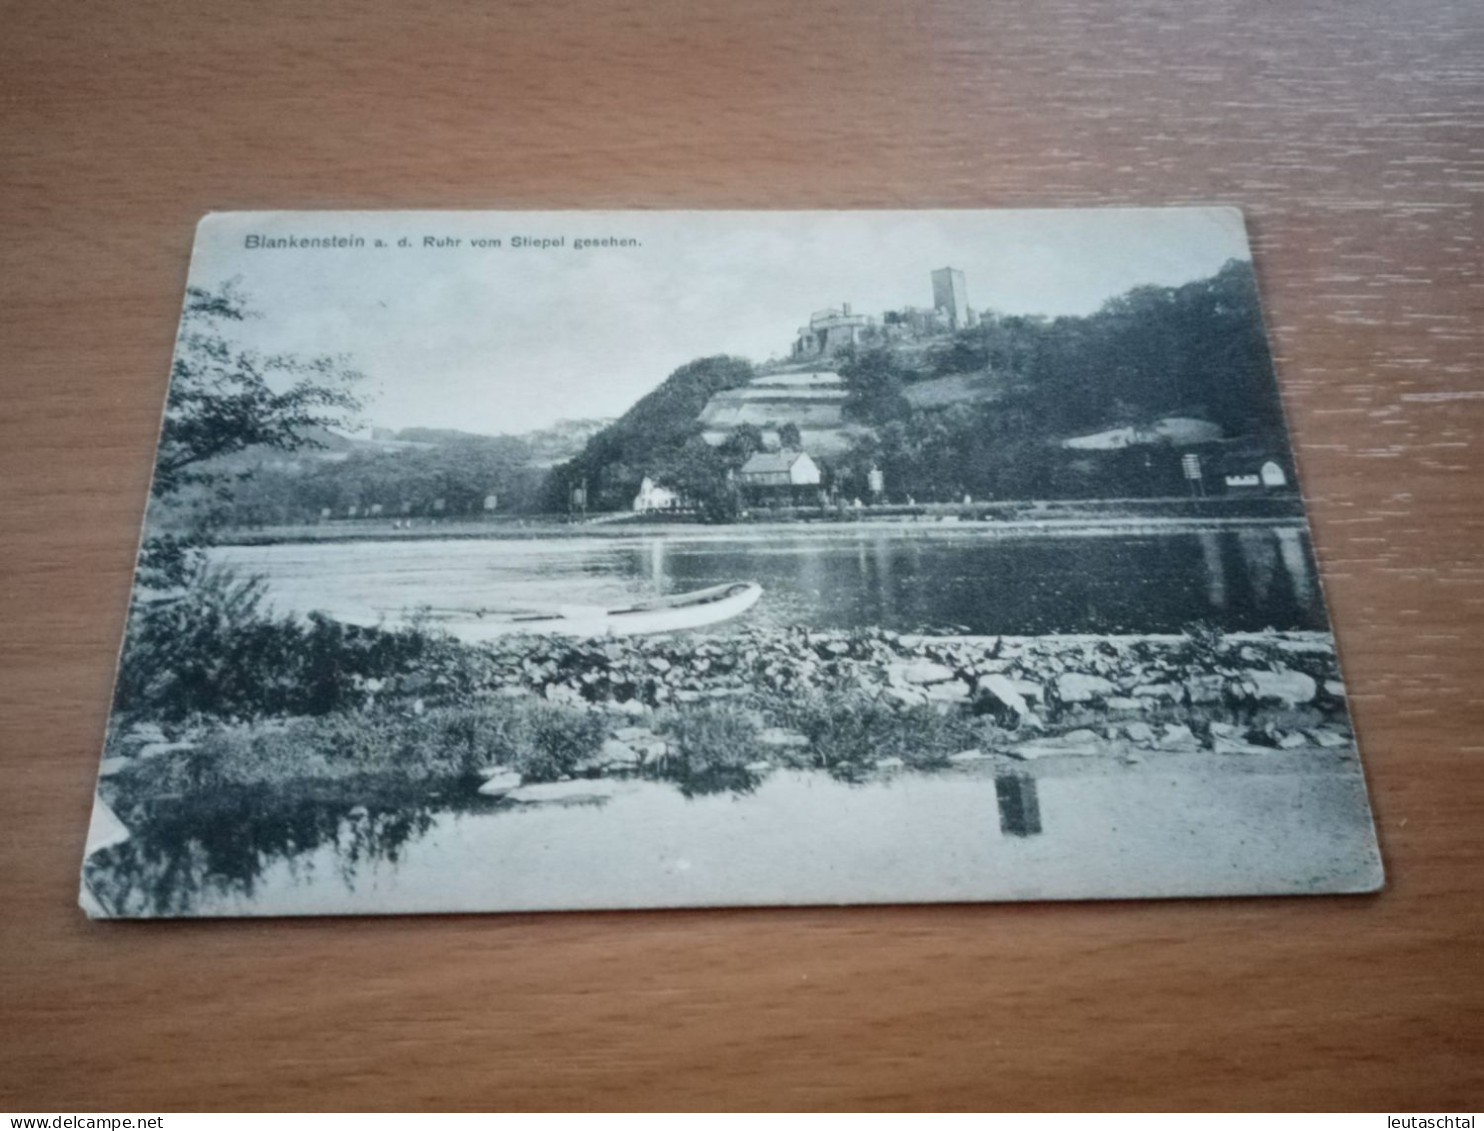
x: 543, y: 742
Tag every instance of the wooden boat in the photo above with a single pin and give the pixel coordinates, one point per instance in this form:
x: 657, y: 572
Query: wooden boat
x: 695, y: 609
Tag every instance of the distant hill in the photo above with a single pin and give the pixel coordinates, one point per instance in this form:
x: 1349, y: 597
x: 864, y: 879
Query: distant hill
x: 407, y: 473
x: 546, y: 446
x: 562, y: 441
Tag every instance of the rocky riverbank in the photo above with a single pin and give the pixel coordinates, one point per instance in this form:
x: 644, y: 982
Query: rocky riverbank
x: 1033, y: 696
x: 713, y: 712
x: 1025, y: 681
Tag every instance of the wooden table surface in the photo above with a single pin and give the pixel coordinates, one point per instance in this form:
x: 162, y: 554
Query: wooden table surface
x: 1353, y: 135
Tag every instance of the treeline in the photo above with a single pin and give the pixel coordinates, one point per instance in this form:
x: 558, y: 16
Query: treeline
x: 1197, y: 350
x: 448, y: 475
x: 1194, y: 350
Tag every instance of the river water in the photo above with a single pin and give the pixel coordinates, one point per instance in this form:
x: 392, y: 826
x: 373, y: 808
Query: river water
x: 908, y: 579
x: 797, y: 837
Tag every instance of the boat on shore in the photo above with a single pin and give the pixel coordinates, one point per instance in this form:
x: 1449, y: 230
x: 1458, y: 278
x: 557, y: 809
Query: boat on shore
x: 696, y: 609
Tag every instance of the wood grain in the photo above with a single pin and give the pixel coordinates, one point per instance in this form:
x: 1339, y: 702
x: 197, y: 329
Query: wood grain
x: 1352, y: 133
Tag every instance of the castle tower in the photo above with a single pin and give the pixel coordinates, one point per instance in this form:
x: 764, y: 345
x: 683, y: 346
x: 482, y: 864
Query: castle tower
x: 951, y: 296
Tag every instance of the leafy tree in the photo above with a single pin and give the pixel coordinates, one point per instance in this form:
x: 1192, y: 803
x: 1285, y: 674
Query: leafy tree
x: 743, y: 441
x: 789, y: 438
x: 189, y: 622
x: 225, y: 398
x: 873, y: 381
x: 702, y: 476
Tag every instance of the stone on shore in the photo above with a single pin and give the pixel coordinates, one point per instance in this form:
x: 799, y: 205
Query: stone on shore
x: 997, y: 694
x: 574, y: 790
x: 1234, y: 746
x: 1142, y: 733
x: 1177, y: 736
x: 948, y: 693
x: 500, y: 783
x: 1079, y: 687
x: 919, y: 672
x: 1167, y: 692
x: 1330, y: 739
x: 1081, y: 741
x: 906, y: 696
x: 1287, y: 687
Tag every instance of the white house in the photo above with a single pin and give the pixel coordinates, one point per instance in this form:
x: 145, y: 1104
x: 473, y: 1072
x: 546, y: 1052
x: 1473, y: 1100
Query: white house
x: 779, y: 469
x: 653, y: 497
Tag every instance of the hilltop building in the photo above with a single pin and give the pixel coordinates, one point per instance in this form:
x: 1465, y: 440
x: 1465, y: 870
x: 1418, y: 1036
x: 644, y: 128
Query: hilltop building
x: 951, y: 297
x: 828, y: 332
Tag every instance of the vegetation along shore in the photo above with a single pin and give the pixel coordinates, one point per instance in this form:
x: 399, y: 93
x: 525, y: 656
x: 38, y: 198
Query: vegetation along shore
x: 414, y: 712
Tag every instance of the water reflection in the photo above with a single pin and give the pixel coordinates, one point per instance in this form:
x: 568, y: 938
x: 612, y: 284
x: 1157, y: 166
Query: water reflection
x: 1020, y: 805
x: 793, y: 836
x: 1293, y: 551
x: 908, y: 580
x: 1243, y: 580
x: 703, y: 781
x: 1215, y: 569
x: 657, y: 575
x: 183, y: 850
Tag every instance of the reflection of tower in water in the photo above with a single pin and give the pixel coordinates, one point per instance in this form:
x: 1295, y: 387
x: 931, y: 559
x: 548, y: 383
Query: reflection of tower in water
x: 1215, y: 568
x: 657, y: 576
x: 1296, y: 563
x: 886, y: 595
x: 1259, y: 560
x: 1020, y: 805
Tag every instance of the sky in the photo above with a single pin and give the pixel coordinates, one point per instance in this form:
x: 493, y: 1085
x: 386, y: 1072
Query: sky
x: 508, y: 339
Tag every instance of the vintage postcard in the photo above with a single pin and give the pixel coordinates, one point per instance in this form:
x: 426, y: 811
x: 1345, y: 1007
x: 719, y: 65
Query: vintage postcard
x: 510, y: 561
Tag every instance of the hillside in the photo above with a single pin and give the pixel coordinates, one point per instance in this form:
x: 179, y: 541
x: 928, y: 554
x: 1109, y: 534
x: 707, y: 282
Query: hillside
x: 649, y: 439
x: 812, y: 401
x: 1012, y: 406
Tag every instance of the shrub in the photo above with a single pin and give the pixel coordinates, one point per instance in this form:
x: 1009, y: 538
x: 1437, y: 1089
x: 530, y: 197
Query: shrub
x: 543, y: 741
x: 209, y: 649
x: 549, y: 741
x: 854, y: 729
x: 712, y: 735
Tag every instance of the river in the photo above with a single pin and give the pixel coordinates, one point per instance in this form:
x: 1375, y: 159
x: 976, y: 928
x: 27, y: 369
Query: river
x: 908, y: 579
